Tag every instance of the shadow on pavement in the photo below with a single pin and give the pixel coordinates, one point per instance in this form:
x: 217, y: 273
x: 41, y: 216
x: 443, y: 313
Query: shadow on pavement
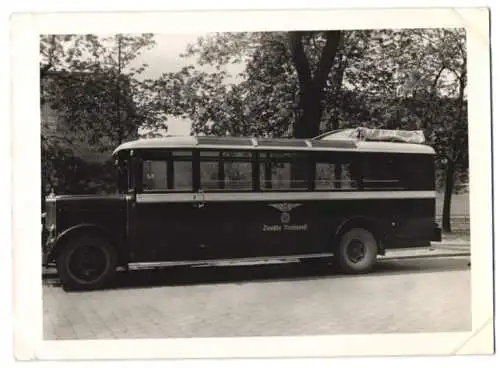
x: 181, y: 276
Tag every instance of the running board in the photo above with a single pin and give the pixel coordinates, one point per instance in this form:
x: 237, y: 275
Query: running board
x: 254, y: 261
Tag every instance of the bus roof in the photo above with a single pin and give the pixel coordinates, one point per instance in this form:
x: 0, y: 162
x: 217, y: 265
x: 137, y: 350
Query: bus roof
x: 248, y: 143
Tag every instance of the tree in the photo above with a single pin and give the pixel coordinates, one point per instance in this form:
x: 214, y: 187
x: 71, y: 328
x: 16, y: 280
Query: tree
x: 91, y: 84
x: 449, y: 45
x: 267, y: 90
x: 284, y: 81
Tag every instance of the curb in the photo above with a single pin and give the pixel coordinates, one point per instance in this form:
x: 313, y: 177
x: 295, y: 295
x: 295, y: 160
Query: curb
x: 416, y: 256
x: 451, y: 248
x: 442, y: 244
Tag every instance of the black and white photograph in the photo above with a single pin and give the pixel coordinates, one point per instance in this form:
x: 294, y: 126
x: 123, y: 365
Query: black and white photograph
x: 271, y: 181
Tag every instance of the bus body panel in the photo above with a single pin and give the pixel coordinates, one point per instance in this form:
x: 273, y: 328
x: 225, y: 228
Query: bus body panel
x: 259, y: 229
x: 166, y: 231
x: 214, y: 229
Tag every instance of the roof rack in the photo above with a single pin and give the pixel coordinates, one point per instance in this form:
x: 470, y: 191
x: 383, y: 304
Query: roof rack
x: 374, y: 135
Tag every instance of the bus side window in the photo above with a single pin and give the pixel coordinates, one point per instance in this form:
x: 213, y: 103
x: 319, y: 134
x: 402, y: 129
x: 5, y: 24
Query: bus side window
x: 225, y: 171
x: 181, y: 171
x: 417, y: 172
x: 334, y: 173
x: 237, y: 175
x: 381, y: 172
x: 283, y: 171
x: 183, y: 175
x: 238, y: 170
x: 170, y: 171
x: 334, y: 176
x: 154, y: 175
x: 209, y: 175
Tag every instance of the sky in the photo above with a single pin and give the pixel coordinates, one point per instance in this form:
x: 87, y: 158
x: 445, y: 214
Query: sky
x: 164, y: 58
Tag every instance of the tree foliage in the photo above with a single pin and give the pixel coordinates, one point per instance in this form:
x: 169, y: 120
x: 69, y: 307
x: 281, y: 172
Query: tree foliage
x: 91, y: 83
x: 269, y: 87
x: 98, y: 98
x: 270, y: 96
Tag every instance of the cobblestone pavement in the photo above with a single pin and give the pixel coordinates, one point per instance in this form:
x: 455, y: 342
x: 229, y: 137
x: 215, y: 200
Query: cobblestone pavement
x: 414, y: 295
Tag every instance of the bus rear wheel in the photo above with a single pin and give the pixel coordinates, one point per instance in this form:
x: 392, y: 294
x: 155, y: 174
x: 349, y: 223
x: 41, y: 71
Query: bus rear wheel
x: 87, y: 262
x: 356, y: 251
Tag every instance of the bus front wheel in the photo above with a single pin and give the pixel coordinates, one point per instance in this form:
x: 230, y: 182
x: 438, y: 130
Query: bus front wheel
x: 87, y: 262
x: 356, y: 251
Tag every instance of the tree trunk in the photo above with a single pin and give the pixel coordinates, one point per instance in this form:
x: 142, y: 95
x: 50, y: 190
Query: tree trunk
x: 307, y: 124
x: 311, y: 93
x: 451, y: 163
x: 118, y: 93
x: 448, y: 190
x: 312, y: 86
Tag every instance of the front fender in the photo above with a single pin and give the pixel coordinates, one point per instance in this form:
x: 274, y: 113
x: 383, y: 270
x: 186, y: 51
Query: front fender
x: 54, y: 245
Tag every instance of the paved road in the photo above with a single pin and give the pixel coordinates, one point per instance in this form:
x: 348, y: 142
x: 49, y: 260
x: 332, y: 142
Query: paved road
x: 413, y: 295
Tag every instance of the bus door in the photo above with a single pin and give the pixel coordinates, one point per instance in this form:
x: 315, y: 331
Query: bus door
x: 166, y: 208
x: 225, y: 182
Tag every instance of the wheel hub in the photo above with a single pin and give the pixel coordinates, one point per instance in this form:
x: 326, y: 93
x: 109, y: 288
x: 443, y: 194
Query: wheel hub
x: 356, y: 251
x: 88, y: 263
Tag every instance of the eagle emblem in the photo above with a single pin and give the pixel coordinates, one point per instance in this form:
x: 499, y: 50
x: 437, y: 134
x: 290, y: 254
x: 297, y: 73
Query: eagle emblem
x: 285, y: 207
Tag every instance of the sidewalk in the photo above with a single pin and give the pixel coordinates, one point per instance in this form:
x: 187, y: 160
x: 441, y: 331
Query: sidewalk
x: 447, y: 248
x: 458, y: 238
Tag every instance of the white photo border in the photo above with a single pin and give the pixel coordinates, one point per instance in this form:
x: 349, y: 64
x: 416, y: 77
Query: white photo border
x: 27, y: 288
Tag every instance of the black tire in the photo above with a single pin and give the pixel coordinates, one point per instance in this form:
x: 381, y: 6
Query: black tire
x: 357, y: 251
x: 86, y: 262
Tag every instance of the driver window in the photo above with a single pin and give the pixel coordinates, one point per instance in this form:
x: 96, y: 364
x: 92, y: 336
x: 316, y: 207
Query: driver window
x: 123, y: 177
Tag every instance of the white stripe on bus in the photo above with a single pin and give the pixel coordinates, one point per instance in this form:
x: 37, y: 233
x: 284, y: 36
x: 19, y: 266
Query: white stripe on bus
x: 227, y: 262
x: 359, y: 146
x: 277, y: 196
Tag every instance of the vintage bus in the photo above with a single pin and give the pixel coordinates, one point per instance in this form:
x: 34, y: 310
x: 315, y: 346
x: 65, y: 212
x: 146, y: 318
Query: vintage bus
x: 202, y: 200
